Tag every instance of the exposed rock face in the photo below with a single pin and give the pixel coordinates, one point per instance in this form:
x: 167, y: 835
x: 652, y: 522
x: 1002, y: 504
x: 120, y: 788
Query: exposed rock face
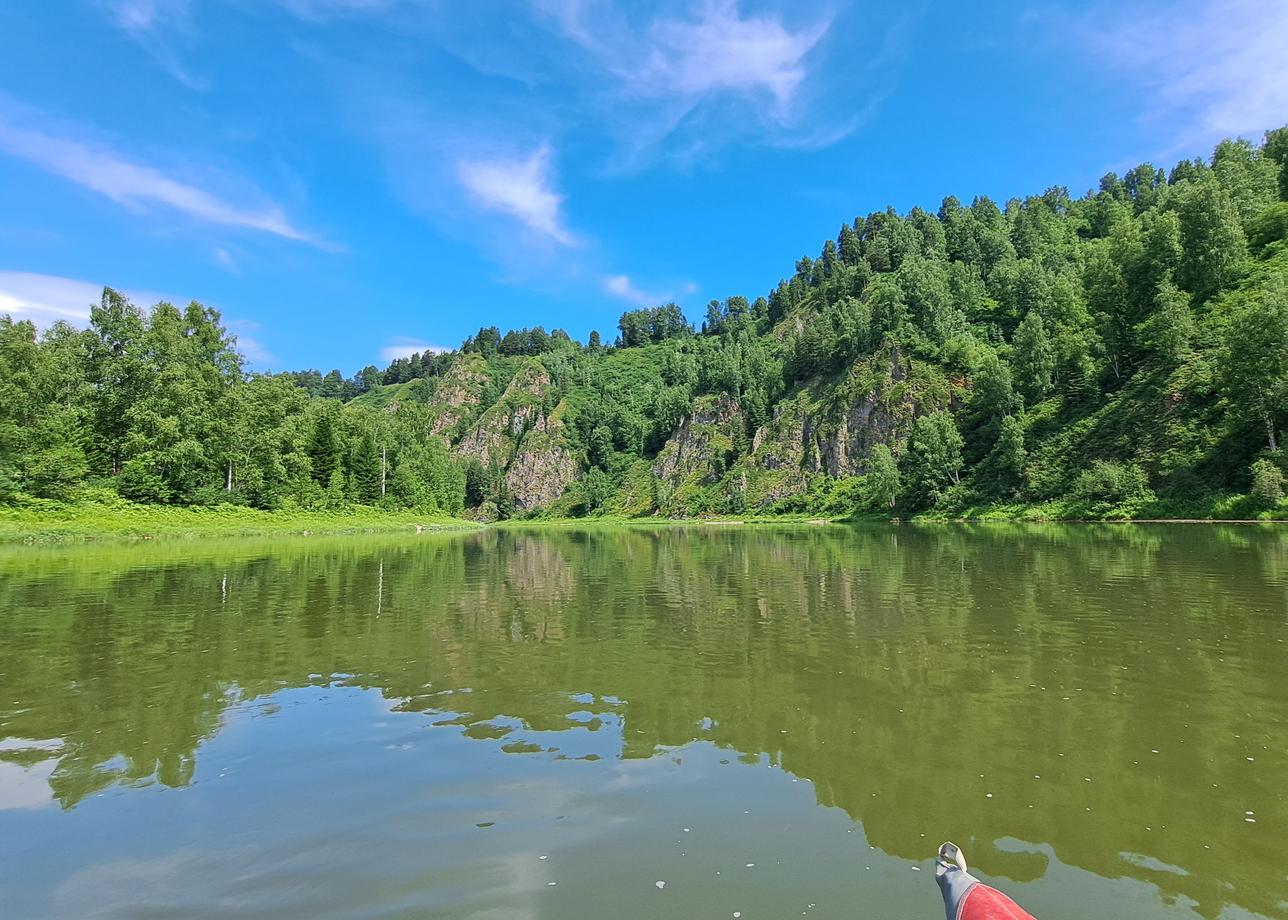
x: 827, y: 426
x: 832, y: 427
x: 516, y: 434
x: 542, y: 467
x: 881, y: 415
x: 700, y: 444
x: 493, y: 438
x: 458, y: 395
x: 781, y: 453
x: 700, y: 450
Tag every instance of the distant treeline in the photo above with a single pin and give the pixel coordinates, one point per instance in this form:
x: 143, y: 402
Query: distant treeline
x: 1123, y: 348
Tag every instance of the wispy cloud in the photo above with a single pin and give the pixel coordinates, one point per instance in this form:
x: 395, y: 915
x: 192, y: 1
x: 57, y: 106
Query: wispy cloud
x: 245, y: 331
x: 46, y: 299
x: 623, y: 288
x: 714, y: 70
x: 405, y: 347
x: 155, y: 25
x: 226, y: 261
x: 1212, y: 69
x: 324, y: 10
x: 608, y: 88
x: 673, y: 84
x: 723, y: 50
x: 486, y: 179
x: 96, y: 166
x: 522, y: 188
x: 715, y: 48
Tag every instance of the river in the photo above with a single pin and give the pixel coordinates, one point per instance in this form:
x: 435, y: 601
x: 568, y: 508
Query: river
x: 680, y: 722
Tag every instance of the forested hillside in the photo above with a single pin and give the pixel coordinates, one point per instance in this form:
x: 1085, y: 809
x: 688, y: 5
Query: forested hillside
x: 1120, y: 354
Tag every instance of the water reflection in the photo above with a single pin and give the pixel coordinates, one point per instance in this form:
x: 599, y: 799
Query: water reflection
x: 1110, y: 700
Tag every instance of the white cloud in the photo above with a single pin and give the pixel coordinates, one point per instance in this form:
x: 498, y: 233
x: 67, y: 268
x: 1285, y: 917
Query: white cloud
x: 141, y: 16
x: 404, y: 347
x: 26, y: 787
x: 322, y: 10
x: 1214, y: 69
x: 521, y: 188
x: 154, y: 25
x: 226, y: 260
x: 622, y: 287
x: 45, y: 299
x: 619, y: 86
x: 711, y: 73
x: 722, y: 50
x: 478, y: 176
x: 97, y: 167
x: 251, y: 348
x: 570, y: 16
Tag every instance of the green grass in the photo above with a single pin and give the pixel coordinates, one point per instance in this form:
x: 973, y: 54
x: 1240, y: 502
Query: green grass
x: 36, y: 521
x: 617, y: 520
x: 1213, y: 508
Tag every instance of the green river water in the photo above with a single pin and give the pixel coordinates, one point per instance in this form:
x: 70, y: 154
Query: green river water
x: 621, y: 723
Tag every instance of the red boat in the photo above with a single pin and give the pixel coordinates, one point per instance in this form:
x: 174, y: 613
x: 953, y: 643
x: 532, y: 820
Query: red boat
x: 966, y: 897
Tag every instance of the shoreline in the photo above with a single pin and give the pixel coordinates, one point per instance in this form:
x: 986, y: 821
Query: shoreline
x: 128, y: 523
x: 821, y: 522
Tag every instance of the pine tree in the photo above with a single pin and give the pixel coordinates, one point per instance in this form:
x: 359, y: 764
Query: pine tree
x: 850, y: 249
x: 324, y: 446
x: 364, y: 469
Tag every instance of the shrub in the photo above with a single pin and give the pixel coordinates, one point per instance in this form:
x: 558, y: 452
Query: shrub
x: 1268, y: 227
x: 1110, y: 482
x: 1267, y: 482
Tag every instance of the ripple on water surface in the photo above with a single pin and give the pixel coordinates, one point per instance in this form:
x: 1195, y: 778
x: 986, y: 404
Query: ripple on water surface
x: 725, y: 723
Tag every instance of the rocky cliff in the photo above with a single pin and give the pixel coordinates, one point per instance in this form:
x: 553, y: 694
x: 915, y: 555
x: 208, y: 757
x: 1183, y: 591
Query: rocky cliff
x: 831, y: 426
x: 825, y: 426
x: 699, y: 452
x: 520, y: 437
x: 493, y: 438
x: 458, y: 396
x: 543, y: 467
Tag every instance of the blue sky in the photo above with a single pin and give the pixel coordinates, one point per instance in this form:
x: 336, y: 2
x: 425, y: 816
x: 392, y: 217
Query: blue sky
x: 348, y: 180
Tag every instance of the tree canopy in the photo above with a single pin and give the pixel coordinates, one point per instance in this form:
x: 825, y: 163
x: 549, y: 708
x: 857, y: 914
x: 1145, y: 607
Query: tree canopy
x: 1126, y: 344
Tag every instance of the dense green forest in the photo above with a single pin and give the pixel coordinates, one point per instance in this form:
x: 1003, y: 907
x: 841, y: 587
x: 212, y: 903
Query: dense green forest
x: 1120, y: 354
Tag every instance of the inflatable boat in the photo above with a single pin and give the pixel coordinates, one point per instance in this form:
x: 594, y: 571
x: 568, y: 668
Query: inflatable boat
x: 966, y: 897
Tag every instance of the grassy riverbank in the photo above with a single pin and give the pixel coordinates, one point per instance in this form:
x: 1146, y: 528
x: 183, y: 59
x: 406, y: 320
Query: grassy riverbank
x: 1144, y: 507
x: 55, y: 522
x: 1233, y: 511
